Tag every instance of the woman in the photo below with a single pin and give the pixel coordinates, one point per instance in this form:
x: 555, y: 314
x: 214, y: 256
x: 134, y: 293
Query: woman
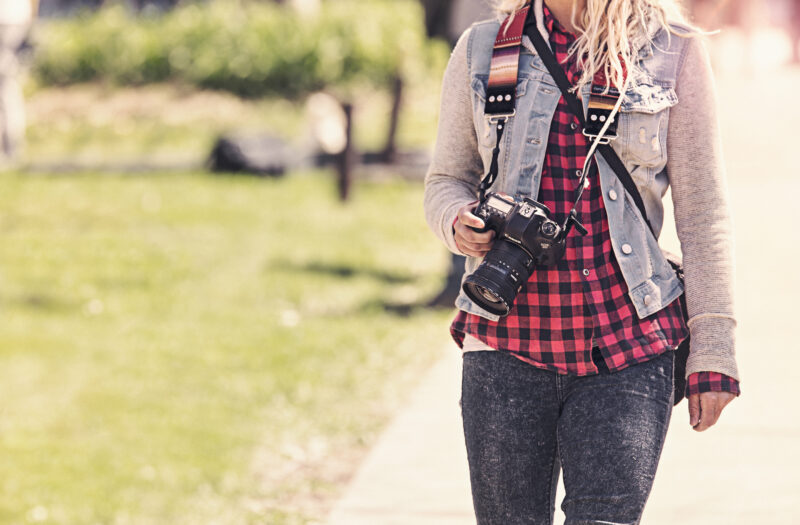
x: 579, y: 374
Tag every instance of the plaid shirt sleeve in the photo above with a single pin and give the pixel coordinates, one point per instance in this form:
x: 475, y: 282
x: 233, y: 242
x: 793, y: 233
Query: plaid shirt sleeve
x: 701, y: 382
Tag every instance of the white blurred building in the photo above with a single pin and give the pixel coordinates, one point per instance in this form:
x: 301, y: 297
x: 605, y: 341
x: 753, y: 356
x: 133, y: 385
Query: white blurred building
x: 16, y: 17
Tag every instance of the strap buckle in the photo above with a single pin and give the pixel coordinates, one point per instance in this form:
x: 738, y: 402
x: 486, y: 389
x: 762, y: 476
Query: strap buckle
x: 605, y: 139
x: 500, y: 116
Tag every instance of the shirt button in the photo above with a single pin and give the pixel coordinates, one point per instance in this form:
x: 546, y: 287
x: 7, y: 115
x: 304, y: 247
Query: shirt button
x: 612, y: 195
x: 647, y: 300
x: 573, y: 126
x: 626, y: 249
x: 586, y: 274
x: 578, y: 173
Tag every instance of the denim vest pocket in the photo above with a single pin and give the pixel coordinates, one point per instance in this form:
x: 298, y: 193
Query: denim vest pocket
x: 643, y: 125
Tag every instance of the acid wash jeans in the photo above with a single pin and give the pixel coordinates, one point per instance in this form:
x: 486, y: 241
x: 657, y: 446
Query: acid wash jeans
x: 523, y: 424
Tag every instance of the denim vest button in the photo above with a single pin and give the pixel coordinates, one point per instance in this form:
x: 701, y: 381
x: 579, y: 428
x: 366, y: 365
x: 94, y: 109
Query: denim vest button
x: 535, y: 141
x: 626, y: 249
x: 647, y: 300
x: 612, y: 195
x: 547, y: 91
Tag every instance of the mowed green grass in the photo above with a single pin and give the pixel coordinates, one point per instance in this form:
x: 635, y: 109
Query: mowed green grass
x: 183, y: 348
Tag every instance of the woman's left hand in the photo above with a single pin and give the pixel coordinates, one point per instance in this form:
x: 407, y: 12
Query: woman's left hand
x: 705, y: 408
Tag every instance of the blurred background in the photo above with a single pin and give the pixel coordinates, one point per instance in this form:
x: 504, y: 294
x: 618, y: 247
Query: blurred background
x: 216, y: 283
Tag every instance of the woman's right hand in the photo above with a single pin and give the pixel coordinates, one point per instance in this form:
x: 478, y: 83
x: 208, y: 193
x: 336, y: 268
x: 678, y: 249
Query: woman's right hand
x: 469, y: 241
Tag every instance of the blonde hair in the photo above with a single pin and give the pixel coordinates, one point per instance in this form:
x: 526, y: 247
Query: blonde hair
x: 609, y: 32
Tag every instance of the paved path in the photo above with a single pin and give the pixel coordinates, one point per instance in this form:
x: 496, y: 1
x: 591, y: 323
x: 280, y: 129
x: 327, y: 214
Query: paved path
x: 417, y: 473
x: 745, y: 470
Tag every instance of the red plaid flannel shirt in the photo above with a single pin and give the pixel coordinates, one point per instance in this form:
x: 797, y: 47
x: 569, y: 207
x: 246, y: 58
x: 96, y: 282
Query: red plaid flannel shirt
x: 582, y: 301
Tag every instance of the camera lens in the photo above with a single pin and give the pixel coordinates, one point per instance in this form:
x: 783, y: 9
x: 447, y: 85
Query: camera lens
x: 549, y: 229
x: 495, y: 283
x: 488, y: 294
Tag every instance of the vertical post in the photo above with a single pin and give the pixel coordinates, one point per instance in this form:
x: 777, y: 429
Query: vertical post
x: 344, y: 162
x: 390, y: 150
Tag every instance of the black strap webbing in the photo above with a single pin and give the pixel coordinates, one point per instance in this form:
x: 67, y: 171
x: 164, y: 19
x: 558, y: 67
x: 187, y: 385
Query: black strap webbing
x: 577, y: 108
x: 494, y: 167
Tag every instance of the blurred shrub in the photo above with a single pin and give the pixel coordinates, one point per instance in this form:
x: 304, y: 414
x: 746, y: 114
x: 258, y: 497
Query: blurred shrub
x: 251, y: 49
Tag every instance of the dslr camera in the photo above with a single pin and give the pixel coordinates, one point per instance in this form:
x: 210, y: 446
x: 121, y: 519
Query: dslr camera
x: 525, y: 236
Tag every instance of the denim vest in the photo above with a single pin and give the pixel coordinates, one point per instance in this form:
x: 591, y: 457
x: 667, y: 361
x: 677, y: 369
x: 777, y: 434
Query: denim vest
x: 642, y: 130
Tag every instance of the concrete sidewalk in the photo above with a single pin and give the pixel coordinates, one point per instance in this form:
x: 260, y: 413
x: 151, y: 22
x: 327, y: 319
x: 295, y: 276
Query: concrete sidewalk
x: 417, y: 473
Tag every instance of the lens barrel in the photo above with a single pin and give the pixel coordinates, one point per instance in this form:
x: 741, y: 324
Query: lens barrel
x: 498, y: 279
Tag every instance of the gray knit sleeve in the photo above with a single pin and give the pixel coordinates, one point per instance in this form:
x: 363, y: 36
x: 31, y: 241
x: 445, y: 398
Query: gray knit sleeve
x: 702, y: 215
x: 455, y: 171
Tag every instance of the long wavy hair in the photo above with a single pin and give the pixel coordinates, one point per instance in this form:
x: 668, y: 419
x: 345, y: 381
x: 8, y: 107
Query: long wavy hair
x: 609, y: 33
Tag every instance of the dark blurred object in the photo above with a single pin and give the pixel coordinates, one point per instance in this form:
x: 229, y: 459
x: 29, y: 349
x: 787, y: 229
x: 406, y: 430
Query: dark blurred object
x: 449, y: 18
x: 389, y: 152
x: 160, y: 5
x: 437, y: 18
x: 48, y: 8
x: 263, y: 155
x: 452, y: 286
x: 346, y: 158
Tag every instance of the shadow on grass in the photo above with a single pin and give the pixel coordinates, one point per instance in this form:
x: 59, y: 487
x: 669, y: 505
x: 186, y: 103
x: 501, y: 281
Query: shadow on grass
x: 346, y: 271
x: 42, y: 302
x: 400, y: 309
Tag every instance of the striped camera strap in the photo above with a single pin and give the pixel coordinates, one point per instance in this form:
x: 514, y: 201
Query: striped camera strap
x: 501, y: 92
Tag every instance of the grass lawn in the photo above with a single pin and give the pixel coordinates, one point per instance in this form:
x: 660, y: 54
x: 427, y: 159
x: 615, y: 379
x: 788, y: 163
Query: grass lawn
x: 189, y: 349
x: 92, y: 124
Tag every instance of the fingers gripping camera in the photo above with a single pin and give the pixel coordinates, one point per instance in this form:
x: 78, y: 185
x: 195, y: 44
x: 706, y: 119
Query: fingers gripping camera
x: 526, y: 236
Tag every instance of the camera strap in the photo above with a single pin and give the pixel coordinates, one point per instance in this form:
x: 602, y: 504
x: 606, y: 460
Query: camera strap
x: 501, y: 90
x: 501, y: 99
x: 576, y: 107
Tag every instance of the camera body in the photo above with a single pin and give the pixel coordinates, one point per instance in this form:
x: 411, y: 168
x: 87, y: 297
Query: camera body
x: 526, y: 236
x: 524, y: 222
